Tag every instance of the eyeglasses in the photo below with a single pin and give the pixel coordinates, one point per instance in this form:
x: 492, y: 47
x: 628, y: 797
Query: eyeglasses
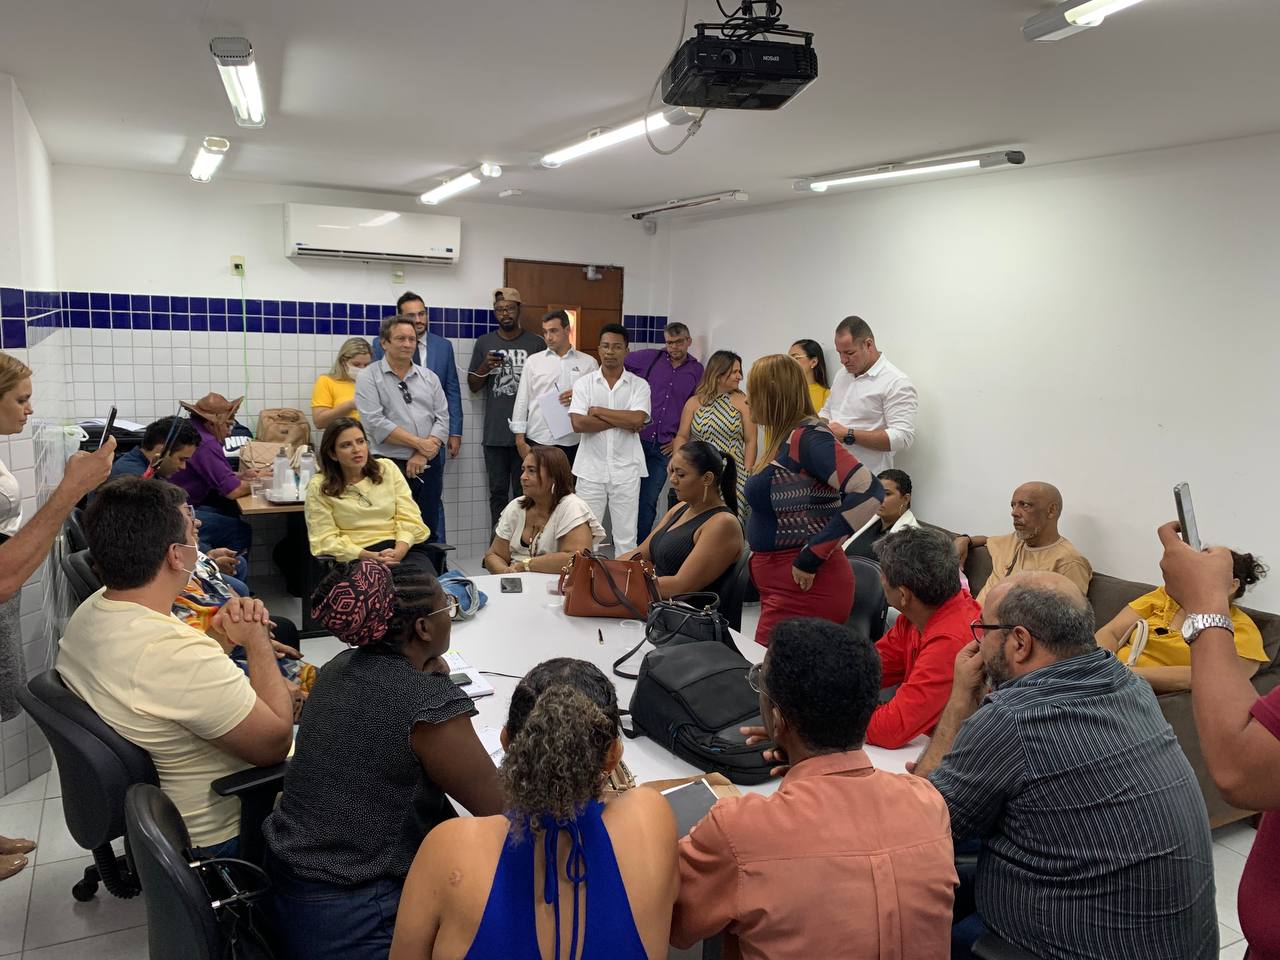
x: 506, y: 309
x: 451, y: 606
x: 754, y: 678
x: 404, y: 391
x: 977, y: 626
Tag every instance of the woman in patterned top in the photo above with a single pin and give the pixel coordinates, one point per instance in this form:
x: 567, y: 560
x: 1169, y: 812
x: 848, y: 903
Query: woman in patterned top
x: 385, y: 736
x: 718, y: 413
x: 807, y: 495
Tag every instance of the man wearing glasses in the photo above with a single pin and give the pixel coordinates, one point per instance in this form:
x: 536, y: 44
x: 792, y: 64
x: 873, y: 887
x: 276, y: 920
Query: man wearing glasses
x: 406, y: 415
x: 1056, y: 757
x: 496, y: 365
x: 436, y: 354
x: 673, y: 376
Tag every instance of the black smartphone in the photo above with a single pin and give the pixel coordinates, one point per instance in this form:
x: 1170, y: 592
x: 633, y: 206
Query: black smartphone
x: 106, y: 430
x: 461, y: 679
x: 1186, y: 515
x: 511, y: 585
x: 690, y: 802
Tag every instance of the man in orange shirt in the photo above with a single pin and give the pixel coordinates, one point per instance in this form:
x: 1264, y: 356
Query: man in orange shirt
x: 844, y: 860
x: 920, y: 571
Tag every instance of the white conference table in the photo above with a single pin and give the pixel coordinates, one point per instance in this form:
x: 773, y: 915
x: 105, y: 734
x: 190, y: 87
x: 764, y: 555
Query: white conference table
x: 517, y: 631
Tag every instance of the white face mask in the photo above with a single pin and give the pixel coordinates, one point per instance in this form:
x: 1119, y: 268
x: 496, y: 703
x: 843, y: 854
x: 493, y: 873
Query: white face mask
x: 196, y: 548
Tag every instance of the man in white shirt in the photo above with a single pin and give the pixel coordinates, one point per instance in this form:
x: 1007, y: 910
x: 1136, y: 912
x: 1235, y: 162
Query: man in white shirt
x: 609, y: 408
x: 554, y: 370
x: 872, y: 405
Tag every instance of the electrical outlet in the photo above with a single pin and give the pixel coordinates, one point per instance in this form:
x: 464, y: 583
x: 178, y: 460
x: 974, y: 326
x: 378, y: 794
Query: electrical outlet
x: 237, y: 266
x: 397, y: 276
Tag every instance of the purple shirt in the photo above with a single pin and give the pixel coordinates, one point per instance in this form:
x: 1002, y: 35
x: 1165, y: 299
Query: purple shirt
x: 669, y: 390
x: 207, y: 472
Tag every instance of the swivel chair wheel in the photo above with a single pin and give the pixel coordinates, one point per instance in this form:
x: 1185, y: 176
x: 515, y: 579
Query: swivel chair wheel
x: 85, y: 890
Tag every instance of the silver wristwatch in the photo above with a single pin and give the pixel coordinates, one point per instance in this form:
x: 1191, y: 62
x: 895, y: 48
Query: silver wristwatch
x: 1197, y: 622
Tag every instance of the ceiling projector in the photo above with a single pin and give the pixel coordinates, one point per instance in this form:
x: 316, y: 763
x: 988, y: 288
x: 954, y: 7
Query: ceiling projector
x: 728, y: 67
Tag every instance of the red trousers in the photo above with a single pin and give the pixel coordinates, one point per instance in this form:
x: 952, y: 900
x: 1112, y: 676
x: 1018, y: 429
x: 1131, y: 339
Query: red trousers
x: 830, y: 597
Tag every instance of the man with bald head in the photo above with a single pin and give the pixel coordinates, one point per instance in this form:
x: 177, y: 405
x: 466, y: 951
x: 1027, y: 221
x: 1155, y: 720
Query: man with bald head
x: 1056, y: 757
x: 1035, y: 543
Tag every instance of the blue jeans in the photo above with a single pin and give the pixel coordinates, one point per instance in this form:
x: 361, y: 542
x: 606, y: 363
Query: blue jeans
x: 227, y: 848
x: 324, y: 921
x: 656, y: 462
x: 219, y: 530
x: 968, y: 926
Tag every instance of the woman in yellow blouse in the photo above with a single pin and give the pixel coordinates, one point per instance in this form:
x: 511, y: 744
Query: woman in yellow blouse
x: 808, y: 353
x: 360, y: 508
x: 1165, y: 660
x: 334, y: 394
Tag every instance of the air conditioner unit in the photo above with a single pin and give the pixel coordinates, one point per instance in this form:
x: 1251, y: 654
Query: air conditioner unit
x: 348, y: 233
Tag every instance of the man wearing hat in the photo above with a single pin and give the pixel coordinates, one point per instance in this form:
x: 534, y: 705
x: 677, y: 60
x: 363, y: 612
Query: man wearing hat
x: 210, y: 482
x: 495, y: 371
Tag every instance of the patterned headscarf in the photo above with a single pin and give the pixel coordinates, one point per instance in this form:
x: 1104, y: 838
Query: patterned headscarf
x: 358, y: 608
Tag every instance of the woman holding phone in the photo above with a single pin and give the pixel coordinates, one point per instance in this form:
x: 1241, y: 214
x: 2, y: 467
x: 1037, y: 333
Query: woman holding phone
x: 24, y: 548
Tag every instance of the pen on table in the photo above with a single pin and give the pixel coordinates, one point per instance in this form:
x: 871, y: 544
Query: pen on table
x: 600, y: 634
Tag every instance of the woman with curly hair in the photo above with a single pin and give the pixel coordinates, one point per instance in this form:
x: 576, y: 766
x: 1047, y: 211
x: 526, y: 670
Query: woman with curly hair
x: 385, y: 736
x: 561, y: 874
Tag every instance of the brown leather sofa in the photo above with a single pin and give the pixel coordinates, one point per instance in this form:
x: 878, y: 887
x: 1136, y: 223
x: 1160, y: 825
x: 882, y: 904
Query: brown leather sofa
x: 1107, y: 596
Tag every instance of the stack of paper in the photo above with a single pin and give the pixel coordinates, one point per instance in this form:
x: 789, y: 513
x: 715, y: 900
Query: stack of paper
x: 467, y: 677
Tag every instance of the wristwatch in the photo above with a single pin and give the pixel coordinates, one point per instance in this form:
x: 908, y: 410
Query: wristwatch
x: 848, y: 437
x: 1198, y: 622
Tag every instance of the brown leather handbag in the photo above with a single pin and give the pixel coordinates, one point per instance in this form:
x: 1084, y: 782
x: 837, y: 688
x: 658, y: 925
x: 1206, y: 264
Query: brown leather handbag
x: 595, y: 586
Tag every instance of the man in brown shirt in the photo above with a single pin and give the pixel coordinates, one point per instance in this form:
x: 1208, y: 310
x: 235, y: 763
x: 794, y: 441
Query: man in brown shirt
x: 1035, y: 544
x: 844, y: 860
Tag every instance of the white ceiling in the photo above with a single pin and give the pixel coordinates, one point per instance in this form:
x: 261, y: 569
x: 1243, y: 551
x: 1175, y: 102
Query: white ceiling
x: 389, y: 95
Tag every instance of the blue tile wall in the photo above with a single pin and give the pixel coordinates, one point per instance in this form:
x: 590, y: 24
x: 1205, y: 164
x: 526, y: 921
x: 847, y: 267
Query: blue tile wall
x: 28, y: 316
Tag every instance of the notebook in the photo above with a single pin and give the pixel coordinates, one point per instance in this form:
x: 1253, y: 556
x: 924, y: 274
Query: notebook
x: 467, y: 677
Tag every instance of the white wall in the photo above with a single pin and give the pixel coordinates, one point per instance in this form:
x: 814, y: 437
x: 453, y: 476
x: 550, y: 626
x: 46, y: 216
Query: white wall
x: 1112, y: 326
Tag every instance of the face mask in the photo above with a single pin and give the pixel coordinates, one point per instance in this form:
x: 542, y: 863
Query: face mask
x: 72, y: 437
x: 196, y: 548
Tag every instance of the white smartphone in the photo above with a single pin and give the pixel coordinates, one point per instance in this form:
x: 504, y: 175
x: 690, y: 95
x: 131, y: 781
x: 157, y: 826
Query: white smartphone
x: 1186, y: 515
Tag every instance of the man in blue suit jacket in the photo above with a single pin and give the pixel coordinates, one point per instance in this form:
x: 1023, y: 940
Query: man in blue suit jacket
x: 436, y: 354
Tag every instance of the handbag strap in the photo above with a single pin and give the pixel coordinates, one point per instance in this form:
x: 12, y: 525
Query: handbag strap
x: 617, y: 664
x: 619, y: 595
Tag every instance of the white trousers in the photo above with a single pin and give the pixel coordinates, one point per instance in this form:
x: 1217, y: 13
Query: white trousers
x: 622, y: 500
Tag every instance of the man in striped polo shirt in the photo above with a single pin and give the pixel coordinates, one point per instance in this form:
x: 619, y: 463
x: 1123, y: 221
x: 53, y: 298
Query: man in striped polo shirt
x: 1056, y: 757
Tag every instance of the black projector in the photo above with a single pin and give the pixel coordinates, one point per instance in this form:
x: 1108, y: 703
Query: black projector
x: 727, y: 74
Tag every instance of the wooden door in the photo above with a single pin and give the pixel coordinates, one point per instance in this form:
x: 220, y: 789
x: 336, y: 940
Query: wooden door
x: 545, y: 286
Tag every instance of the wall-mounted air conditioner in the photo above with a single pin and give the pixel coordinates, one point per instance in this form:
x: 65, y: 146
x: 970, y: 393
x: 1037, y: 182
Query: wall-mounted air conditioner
x: 348, y: 233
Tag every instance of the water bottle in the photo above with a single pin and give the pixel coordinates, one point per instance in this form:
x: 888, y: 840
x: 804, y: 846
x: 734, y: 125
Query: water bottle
x: 306, y: 470
x: 281, y: 474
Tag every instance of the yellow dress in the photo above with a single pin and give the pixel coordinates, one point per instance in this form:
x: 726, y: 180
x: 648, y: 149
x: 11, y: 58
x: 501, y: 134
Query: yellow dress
x: 330, y: 393
x: 818, y: 396
x: 1165, y: 646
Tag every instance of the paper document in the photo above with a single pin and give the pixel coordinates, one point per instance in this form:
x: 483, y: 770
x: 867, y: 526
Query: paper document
x: 556, y: 414
x: 120, y: 423
x: 491, y: 740
x: 472, y: 682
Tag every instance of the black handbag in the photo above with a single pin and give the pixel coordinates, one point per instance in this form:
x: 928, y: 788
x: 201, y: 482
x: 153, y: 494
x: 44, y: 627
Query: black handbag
x: 685, y: 618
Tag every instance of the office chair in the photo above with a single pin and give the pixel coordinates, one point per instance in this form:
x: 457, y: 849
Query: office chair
x: 74, y: 529
x: 734, y: 591
x: 870, y: 608
x: 97, y: 766
x: 188, y: 910
x: 81, y: 578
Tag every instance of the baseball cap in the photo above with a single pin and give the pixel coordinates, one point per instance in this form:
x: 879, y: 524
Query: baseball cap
x: 507, y: 293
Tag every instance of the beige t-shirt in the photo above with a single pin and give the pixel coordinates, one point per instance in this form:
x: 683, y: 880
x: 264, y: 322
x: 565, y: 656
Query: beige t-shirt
x: 1009, y: 555
x: 169, y: 689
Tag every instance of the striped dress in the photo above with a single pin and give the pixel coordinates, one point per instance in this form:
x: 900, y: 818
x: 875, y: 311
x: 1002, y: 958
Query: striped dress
x: 719, y: 423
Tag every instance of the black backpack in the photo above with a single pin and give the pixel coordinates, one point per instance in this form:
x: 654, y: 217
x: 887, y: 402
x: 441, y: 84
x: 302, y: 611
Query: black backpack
x: 691, y: 698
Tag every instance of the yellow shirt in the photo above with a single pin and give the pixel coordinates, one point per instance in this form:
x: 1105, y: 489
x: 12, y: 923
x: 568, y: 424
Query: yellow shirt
x: 365, y: 514
x: 169, y: 689
x: 818, y: 395
x: 329, y: 392
x: 1165, y: 646
x: 1009, y: 555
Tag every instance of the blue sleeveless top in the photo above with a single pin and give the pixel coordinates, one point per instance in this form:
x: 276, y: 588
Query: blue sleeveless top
x: 509, y: 929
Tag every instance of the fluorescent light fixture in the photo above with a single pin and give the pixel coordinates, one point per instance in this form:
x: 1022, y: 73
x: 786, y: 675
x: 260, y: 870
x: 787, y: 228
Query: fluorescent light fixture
x: 895, y: 171
x: 465, y: 181
x: 212, y: 150
x: 736, y: 195
x: 603, y: 139
x: 234, y: 56
x: 1072, y: 17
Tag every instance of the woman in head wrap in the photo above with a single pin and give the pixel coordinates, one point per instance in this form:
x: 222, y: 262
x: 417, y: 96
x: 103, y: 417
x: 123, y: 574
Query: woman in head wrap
x: 386, y: 734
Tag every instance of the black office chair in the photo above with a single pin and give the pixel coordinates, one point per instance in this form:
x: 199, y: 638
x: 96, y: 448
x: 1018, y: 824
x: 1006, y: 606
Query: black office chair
x: 991, y: 947
x: 182, y: 922
x: 733, y: 592
x: 97, y: 766
x: 74, y: 529
x: 870, y: 608
x: 81, y: 578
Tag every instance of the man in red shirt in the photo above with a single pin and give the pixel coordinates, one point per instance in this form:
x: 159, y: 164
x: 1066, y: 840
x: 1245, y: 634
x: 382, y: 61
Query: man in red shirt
x: 1239, y: 730
x: 920, y: 571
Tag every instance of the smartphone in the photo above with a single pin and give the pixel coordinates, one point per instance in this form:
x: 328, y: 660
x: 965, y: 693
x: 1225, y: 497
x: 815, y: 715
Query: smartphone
x: 1186, y: 515
x: 690, y: 802
x: 106, y: 430
x: 511, y: 585
x: 461, y: 679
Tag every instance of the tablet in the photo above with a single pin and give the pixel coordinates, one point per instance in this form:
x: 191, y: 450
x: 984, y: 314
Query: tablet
x: 690, y: 802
